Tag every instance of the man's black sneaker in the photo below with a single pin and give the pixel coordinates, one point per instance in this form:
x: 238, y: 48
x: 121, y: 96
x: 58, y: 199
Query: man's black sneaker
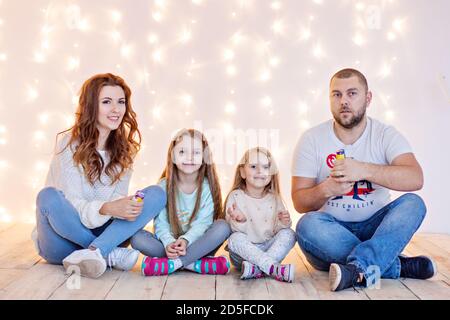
x: 344, y: 276
x: 420, y: 267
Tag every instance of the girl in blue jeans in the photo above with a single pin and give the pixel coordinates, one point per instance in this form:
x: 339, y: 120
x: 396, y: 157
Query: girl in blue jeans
x: 84, y: 213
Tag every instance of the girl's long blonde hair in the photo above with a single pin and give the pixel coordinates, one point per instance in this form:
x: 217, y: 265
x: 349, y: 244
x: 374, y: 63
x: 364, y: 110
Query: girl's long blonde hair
x: 207, y: 170
x: 274, y: 185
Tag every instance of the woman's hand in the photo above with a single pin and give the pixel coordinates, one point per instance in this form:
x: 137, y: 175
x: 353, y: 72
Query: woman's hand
x: 236, y: 214
x: 124, y: 208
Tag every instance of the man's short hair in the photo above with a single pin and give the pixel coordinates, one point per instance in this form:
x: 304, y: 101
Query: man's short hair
x: 348, y: 73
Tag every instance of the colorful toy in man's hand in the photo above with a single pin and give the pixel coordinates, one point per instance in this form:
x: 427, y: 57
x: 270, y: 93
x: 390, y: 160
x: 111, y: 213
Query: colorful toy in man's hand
x: 139, y: 196
x: 340, y: 154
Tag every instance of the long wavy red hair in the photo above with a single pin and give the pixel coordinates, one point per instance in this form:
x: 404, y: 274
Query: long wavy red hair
x: 207, y: 170
x: 122, y: 144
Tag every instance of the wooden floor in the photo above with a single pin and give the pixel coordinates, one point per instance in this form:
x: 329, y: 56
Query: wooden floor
x: 24, y: 275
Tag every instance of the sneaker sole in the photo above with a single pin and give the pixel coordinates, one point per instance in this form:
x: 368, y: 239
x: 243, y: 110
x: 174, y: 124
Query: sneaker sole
x: 88, y: 268
x: 291, y: 274
x: 435, y: 270
x: 334, y: 276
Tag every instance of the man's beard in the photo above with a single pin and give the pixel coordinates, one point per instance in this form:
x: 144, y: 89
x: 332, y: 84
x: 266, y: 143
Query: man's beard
x: 354, y: 120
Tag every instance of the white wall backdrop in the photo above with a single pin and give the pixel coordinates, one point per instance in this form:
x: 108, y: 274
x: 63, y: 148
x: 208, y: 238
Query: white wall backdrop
x: 231, y: 68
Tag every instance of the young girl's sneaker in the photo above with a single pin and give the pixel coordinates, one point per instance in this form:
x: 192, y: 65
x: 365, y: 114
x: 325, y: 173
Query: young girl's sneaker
x: 212, y: 265
x: 250, y: 271
x: 282, y: 272
x: 153, y: 266
x: 122, y: 258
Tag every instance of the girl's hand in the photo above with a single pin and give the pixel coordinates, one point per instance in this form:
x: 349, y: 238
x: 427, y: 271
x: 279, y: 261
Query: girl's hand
x: 236, y: 214
x: 171, y: 251
x: 124, y: 208
x: 180, y: 245
x: 284, y: 217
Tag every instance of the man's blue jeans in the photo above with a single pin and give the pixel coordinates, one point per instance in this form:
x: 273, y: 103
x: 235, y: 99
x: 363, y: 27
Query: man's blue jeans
x: 374, y: 243
x: 60, y: 231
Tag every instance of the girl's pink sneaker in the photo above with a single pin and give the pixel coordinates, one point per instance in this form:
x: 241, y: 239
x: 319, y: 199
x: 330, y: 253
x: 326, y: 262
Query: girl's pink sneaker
x: 153, y: 266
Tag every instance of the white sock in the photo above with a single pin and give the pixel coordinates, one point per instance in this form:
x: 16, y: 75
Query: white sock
x: 177, y: 263
x: 190, y: 267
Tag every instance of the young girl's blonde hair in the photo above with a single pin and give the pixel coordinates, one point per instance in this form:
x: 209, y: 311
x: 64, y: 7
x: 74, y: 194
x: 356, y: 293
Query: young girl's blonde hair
x: 274, y: 185
x: 207, y: 170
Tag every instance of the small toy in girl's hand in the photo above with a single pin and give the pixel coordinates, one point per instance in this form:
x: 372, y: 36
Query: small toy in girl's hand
x: 139, y: 196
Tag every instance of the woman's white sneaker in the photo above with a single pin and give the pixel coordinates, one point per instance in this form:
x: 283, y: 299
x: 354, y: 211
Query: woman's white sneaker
x: 88, y: 263
x: 122, y: 258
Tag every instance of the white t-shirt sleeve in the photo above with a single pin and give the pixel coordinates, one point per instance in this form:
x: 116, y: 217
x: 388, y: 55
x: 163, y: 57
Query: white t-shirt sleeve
x: 304, y: 161
x: 394, y: 144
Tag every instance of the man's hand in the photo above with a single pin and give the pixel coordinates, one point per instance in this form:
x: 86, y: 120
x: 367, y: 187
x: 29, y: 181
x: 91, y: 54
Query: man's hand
x: 333, y: 188
x: 349, y: 170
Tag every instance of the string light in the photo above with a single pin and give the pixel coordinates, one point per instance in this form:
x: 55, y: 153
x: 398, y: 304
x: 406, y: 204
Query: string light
x: 303, y: 108
x: 231, y: 70
x: 266, y: 101
x: 73, y: 63
x: 276, y: 5
x: 3, y: 164
x: 278, y: 27
x: 264, y: 75
x: 153, y: 38
x: 228, y: 54
x: 359, y: 40
x: 185, y: 35
x: 126, y: 51
x: 32, y: 93
x: 318, y: 51
x: 158, y: 56
x: 157, y: 16
x: 305, y: 34
x: 162, y: 41
x: 274, y: 61
x: 43, y: 118
x: 230, y: 108
x: 116, y: 16
x: 4, y: 216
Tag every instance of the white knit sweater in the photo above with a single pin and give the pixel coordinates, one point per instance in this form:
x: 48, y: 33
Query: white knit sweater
x: 87, y: 199
x: 262, y: 215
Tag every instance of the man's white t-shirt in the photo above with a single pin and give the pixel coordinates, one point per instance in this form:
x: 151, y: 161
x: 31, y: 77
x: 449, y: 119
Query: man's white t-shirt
x: 314, y: 157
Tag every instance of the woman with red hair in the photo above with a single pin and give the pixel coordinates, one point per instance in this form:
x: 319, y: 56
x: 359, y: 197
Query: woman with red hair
x: 84, y: 213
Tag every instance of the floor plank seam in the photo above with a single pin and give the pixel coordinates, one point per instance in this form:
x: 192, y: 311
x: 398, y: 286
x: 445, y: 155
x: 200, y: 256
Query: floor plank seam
x: 215, y: 287
x: 403, y: 283
x: 164, y: 288
x: 56, y: 289
x: 114, y: 284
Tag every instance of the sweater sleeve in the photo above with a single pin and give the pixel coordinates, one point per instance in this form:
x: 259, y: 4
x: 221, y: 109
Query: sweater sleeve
x: 204, y: 218
x: 235, y: 226
x: 67, y: 177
